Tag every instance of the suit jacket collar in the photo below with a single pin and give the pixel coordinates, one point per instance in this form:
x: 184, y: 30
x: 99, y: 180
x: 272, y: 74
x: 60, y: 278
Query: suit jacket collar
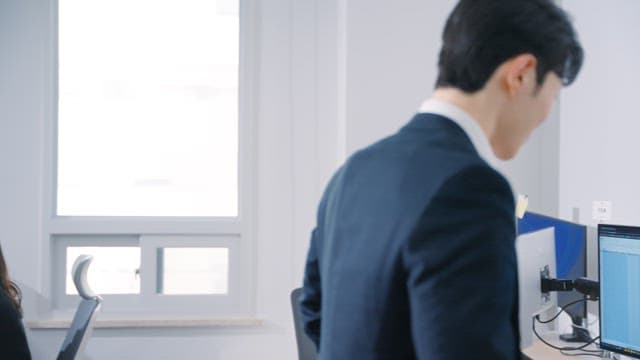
x: 466, y: 122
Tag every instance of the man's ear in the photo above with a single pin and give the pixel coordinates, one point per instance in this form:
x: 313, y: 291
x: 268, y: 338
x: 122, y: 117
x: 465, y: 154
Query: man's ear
x: 520, y: 73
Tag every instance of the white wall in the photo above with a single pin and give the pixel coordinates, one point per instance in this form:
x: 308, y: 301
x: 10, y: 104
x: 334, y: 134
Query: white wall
x: 391, y: 67
x: 391, y: 59
x: 600, y: 124
x: 334, y: 75
x: 22, y: 37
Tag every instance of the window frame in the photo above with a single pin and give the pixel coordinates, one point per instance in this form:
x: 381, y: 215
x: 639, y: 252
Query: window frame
x: 150, y: 231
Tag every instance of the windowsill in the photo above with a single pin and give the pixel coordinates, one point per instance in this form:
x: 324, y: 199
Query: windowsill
x: 148, y: 323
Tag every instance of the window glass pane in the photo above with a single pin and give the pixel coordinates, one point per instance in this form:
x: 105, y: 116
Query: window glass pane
x: 193, y: 271
x: 148, y: 108
x: 114, y: 270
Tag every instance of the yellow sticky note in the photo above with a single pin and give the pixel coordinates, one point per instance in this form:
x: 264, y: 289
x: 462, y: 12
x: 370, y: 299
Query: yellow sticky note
x: 521, y: 205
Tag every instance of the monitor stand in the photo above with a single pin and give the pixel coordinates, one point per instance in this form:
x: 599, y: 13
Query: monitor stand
x: 579, y: 335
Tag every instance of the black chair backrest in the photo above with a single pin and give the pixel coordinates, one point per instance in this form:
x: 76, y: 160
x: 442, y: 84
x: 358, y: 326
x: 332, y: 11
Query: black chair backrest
x: 82, y: 325
x: 306, y: 347
x: 79, y: 331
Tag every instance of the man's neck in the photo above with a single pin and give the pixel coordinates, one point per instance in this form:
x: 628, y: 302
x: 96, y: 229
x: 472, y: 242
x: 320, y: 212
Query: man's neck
x: 478, y: 105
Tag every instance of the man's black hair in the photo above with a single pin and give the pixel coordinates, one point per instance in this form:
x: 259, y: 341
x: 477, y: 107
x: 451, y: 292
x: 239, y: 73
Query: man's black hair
x: 482, y: 34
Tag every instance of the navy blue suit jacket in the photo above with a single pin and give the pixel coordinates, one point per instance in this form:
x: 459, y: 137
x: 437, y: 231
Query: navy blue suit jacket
x: 413, y: 255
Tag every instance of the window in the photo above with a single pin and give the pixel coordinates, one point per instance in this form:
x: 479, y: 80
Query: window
x: 192, y: 271
x: 147, y: 109
x: 151, y: 162
x: 114, y: 270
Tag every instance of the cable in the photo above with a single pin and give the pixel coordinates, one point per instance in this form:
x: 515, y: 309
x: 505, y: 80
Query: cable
x: 592, y: 322
x: 598, y: 354
x: 580, y: 327
x: 589, y: 350
x: 561, y: 348
x: 586, y: 328
x: 537, y: 318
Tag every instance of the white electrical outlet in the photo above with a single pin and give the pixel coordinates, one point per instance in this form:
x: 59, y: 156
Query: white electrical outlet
x: 602, y: 210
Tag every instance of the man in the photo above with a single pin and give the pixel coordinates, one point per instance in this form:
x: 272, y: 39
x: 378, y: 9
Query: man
x: 413, y: 253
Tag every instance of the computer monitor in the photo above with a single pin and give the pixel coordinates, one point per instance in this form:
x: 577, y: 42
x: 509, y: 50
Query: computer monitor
x: 619, y: 276
x: 571, y: 262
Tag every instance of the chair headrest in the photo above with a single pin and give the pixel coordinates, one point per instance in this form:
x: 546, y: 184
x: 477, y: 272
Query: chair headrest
x: 79, y: 274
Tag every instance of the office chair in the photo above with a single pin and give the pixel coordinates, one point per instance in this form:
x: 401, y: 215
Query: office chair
x: 82, y: 324
x: 306, y: 347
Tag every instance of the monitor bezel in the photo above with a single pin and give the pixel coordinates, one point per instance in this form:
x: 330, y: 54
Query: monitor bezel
x: 603, y: 345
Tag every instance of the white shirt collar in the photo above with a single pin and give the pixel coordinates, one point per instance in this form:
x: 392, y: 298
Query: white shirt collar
x: 466, y: 122
x: 469, y: 125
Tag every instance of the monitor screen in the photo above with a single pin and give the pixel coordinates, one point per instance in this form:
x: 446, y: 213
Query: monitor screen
x: 619, y: 275
x: 571, y: 255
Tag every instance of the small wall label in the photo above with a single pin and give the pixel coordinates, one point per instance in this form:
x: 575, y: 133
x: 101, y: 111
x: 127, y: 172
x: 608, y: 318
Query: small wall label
x: 602, y: 210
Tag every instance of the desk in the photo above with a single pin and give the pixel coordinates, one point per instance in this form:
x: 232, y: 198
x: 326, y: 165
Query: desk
x: 540, y: 351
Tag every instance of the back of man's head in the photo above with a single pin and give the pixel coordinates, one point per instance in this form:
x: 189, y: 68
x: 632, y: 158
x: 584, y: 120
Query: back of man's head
x: 482, y: 34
